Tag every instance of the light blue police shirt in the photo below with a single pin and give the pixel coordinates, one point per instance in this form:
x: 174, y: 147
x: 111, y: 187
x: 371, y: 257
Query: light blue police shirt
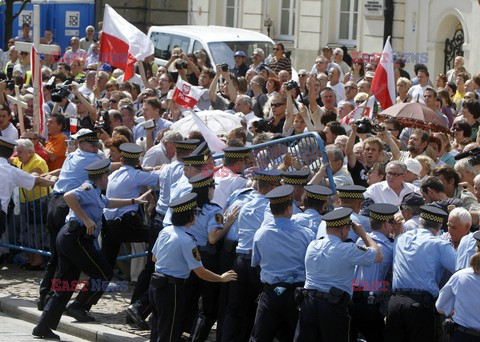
x: 465, y: 250
x: 376, y: 273
x: 208, y: 219
x: 310, y: 219
x: 175, y: 252
x: 419, y: 259
x: 249, y: 220
x: 237, y: 199
x: 330, y: 262
x: 182, y: 187
x: 92, y: 202
x: 460, y: 294
x: 357, y: 218
x: 73, y: 172
x: 279, y: 248
x: 168, y: 177
x: 268, y: 218
x: 127, y: 182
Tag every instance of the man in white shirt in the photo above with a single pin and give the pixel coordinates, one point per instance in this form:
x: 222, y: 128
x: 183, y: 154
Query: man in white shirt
x: 243, y: 104
x: 164, y: 152
x: 394, y: 189
x: 416, y: 92
x: 335, y: 84
x: 7, y: 129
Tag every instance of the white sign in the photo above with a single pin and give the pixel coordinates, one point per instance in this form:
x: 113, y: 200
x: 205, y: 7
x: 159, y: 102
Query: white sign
x: 373, y: 8
x: 25, y: 17
x: 73, y: 33
x: 72, y: 19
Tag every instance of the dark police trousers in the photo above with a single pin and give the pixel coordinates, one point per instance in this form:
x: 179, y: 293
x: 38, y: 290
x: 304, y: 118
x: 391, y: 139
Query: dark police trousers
x: 140, y: 297
x: 367, y: 316
x: 242, y: 297
x: 277, y: 313
x: 76, y: 253
x: 323, y: 318
x: 411, y: 317
x: 226, y: 258
x: 464, y: 334
x: 199, y: 320
x: 57, y: 212
x: 166, y: 295
x: 128, y: 228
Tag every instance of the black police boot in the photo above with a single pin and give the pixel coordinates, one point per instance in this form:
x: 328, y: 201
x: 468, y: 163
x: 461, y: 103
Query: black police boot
x: 76, y: 311
x: 45, y: 333
x: 134, y: 315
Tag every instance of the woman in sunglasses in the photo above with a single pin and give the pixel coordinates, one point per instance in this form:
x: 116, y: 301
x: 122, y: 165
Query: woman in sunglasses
x: 460, y: 131
x: 276, y: 109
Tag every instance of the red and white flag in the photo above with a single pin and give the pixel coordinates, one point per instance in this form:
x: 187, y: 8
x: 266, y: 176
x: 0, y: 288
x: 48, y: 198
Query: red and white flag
x: 73, y: 125
x: 122, y: 44
x: 361, y: 111
x: 41, y: 112
x: 383, y: 84
x: 214, y: 143
x: 186, y: 95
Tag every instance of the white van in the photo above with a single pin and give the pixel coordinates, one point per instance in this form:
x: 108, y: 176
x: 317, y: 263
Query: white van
x: 219, y: 42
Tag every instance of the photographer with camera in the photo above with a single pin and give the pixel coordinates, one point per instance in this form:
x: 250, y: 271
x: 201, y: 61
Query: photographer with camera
x: 224, y: 98
x: 87, y: 115
x: 60, y: 102
x: 296, y: 120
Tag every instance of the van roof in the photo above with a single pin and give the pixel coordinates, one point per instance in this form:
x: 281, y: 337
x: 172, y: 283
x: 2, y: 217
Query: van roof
x: 213, y: 33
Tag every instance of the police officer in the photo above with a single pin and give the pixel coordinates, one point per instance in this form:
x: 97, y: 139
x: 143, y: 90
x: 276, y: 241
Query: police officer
x: 207, y: 231
x: 419, y: 260
x: 13, y: 177
x: 329, y: 265
x: 123, y: 224
x: 176, y: 254
x: 243, y: 293
x: 75, y: 245
x: 72, y: 175
x: 199, y: 161
x: 228, y: 246
x: 279, y: 249
x: 230, y: 176
x: 316, y: 197
x: 370, y: 283
x: 459, y: 299
x: 350, y: 196
x: 170, y: 174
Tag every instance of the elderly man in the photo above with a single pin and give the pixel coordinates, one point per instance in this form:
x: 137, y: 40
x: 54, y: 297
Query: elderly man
x: 243, y: 104
x: 88, y: 40
x: 338, y: 59
x: 468, y: 173
x: 334, y: 76
x: 341, y: 176
x: 394, y: 188
x: 410, y: 208
x: 351, y: 89
x: 459, y: 223
x: 258, y: 58
x: 164, y: 152
x: 75, y: 51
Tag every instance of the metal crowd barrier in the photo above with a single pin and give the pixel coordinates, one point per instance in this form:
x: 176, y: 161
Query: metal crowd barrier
x: 26, y: 229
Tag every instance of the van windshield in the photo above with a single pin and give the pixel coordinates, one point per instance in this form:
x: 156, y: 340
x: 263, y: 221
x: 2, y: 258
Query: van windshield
x: 222, y: 52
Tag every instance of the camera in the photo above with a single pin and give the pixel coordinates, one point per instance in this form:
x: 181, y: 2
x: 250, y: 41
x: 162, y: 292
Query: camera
x: 50, y: 85
x: 149, y: 124
x: 181, y: 65
x: 224, y: 67
x: 291, y: 85
x: 364, y: 125
x: 61, y: 92
x: 10, y: 85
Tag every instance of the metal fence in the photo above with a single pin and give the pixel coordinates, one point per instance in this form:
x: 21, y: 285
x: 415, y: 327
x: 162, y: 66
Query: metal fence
x: 26, y: 229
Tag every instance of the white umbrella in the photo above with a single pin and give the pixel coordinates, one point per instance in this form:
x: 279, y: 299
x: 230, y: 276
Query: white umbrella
x: 218, y: 121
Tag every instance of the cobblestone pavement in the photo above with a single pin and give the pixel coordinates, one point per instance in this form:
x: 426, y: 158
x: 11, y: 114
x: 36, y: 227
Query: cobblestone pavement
x: 109, y: 311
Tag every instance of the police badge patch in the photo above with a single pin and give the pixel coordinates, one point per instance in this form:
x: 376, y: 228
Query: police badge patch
x: 196, y: 254
x: 219, y: 218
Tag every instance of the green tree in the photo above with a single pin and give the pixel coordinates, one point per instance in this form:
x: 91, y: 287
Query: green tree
x: 10, y: 17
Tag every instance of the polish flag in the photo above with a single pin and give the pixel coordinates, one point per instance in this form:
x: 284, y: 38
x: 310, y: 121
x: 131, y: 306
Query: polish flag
x: 122, y: 44
x: 383, y: 84
x: 186, y: 95
x: 73, y: 125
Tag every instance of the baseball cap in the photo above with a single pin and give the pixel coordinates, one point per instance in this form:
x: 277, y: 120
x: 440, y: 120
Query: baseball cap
x: 240, y: 54
x: 413, y: 166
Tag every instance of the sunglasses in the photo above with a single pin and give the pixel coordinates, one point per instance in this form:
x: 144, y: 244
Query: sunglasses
x: 113, y: 101
x: 276, y: 49
x: 394, y: 174
x: 302, y: 75
x: 277, y: 104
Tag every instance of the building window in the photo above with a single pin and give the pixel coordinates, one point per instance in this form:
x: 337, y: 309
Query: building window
x: 347, y: 31
x: 231, y: 13
x: 287, y: 19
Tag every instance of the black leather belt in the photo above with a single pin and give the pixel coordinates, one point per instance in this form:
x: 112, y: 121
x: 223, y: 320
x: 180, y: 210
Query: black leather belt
x: 245, y: 256
x: 466, y: 330
x: 413, y: 292
x: 159, y: 279
x: 285, y: 285
x: 318, y: 294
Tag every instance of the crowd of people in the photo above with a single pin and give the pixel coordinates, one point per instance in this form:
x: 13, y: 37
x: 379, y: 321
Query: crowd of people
x: 387, y: 255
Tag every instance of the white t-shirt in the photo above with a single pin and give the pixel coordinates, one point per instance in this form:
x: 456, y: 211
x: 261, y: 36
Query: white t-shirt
x: 10, y: 132
x: 417, y: 92
x: 11, y: 178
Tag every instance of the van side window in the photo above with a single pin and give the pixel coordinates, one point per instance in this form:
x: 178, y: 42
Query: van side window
x: 165, y: 42
x: 197, y: 46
